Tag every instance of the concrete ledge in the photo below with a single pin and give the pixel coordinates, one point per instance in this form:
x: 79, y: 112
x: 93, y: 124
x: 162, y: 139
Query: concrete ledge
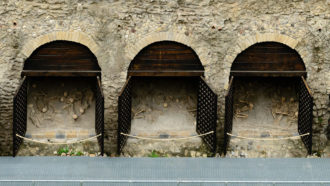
x: 163, y: 171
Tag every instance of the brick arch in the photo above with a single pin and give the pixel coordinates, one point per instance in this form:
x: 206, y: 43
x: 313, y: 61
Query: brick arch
x: 133, y: 49
x: 75, y: 36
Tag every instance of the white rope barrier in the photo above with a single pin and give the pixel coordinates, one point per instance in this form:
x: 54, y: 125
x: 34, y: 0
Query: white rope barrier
x: 167, y: 139
x: 269, y: 139
x: 57, y: 143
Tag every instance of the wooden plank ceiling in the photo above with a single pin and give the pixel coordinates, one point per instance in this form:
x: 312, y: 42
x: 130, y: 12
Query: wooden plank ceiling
x: 268, y: 59
x: 166, y: 58
x: 61, y: 58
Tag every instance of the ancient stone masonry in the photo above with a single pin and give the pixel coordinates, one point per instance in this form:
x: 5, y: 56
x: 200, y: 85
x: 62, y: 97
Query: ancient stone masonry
x: 116, y: 31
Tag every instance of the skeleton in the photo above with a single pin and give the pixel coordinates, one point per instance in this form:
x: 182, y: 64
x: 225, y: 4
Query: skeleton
x: 33, y: 116
x: 281, y: 107
x: 77, y: 100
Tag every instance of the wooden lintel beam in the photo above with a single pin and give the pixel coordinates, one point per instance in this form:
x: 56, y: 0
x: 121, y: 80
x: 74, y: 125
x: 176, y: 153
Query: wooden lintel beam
x: 35, y: 73
x: 166, y: 73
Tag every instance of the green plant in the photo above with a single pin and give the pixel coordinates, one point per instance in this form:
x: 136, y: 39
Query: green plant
x: 62, y: 150
x: 70, y: 151
x: 78, y: 153
x: 320, y: 119
x: 154, y: 154
x: 317, y: 153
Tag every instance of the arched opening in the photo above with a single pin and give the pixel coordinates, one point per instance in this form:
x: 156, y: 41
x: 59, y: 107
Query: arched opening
x: 268, y: 104
x: 165, y: 99
x: 166, y: 59
x: 268, y: 59
x: 59, y: 101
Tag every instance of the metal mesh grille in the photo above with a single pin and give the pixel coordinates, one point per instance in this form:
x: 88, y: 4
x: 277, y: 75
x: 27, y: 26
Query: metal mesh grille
x: 229, y: 112
x: 99, y: 114
x: 124, y: 114
x: 207, y: 113
x: 19, y: 115
x: 305, y: 117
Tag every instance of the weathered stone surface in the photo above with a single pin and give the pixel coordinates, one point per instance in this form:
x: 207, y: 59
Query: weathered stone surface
x: 117, y: 30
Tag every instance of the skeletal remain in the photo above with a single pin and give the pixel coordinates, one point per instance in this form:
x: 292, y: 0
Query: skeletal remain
x: 33, y: 117
x: 240, y: 115
x: 242, y: 101
x: 88, y: 98
x: 70, y: 100
x: 244, y: 109
x: 42, y: 104
x: 251, y: 106
x: 67, y: 107
x: 78, y: 95
x: 45, y: 109
x: 138, y: 112
x: 75, y: 116
x: 192, y: 110
x: 282, y: 113
x: 81, y: 110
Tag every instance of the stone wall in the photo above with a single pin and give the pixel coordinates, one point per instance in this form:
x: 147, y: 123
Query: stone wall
x: 117, y: 30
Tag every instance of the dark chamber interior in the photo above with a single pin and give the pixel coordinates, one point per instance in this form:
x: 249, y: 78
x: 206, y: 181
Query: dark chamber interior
x: 266, y: 107
x: 60, y: 109
x: 163, y: 107
x: 165, y: 103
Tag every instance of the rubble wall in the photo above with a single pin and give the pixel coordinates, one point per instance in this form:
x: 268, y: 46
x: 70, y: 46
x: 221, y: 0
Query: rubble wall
x: 116, y: 31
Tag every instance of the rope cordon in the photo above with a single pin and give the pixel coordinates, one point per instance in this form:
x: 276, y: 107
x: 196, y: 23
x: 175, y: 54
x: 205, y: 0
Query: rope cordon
x: 167, y: 139
x: 269, y: 139
x: 57, y: 143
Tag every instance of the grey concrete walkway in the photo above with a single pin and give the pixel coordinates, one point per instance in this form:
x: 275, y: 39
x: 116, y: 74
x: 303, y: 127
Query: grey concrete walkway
x: 162, y: 171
